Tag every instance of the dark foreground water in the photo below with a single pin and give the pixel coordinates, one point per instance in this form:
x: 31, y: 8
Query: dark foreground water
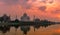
x: 31, y: 30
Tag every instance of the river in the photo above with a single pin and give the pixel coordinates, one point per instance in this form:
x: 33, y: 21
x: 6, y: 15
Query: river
x: 31, y: 30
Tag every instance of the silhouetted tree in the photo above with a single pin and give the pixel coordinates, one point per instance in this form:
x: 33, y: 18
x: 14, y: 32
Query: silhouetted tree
x: 16, y: 20
x: 1, y: 19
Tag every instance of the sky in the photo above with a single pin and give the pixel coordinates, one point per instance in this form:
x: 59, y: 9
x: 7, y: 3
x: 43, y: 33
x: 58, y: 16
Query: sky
x: 42, y: 9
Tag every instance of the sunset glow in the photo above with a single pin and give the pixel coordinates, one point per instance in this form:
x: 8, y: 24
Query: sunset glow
x: 43, y: 9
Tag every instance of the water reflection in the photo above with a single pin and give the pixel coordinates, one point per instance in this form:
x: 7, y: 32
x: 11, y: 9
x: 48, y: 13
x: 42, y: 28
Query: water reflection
x: 27, y: 30
x: 16, y: 27
x: 4, y: 29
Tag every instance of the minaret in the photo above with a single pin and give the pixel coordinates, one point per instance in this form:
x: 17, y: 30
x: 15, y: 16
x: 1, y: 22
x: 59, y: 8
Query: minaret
x: 34, y: 17
x: 9, y: 19
x: 16, y: 16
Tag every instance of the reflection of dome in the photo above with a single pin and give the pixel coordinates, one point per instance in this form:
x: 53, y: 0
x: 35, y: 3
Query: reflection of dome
x: 25, y: 17
x: 25, y: 29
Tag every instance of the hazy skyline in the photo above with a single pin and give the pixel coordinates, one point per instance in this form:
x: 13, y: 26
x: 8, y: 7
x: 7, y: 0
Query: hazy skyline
x: 43, y: 9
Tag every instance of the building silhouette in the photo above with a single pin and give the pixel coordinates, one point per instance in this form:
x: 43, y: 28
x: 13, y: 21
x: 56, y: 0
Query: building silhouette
x: 25, y: 17
x: 6, y: 18
x: 36, y: 19
x: 1, y: 19
x: 16, y: 20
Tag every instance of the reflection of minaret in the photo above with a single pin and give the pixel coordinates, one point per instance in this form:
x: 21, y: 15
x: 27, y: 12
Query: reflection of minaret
x: 16, y: 27
x: 34, y: 29
x: 33, y: 20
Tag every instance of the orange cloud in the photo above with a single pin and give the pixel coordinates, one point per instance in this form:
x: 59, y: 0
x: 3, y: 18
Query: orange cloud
x: 31, y: 8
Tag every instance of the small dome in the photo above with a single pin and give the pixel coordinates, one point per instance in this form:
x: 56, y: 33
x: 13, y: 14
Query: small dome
x: 36, y: 20
x: 24, y: 14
